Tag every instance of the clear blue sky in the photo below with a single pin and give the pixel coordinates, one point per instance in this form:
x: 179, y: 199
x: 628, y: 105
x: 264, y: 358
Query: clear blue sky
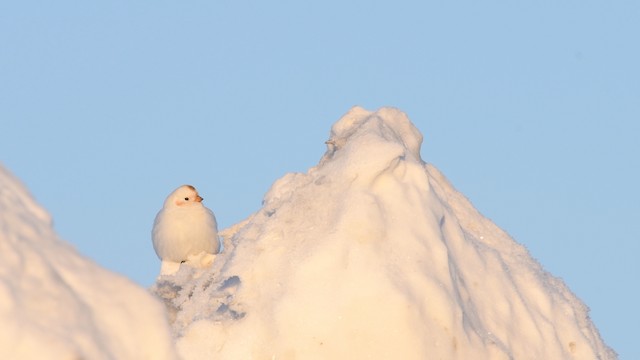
x: 532, y: 110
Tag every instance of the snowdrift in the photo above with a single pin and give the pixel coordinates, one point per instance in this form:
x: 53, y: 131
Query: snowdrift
x: 56, y: 304
x: 372, y: 254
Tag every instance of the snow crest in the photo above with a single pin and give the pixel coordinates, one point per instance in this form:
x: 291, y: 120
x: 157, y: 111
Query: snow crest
x: 55, y: 304
x: 373, y: 254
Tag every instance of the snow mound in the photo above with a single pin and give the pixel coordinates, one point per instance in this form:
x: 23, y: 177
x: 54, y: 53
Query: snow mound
x: 56, y: 304
x: 373, y: 254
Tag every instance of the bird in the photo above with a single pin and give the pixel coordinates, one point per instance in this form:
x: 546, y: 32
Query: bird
x: 184, y: 227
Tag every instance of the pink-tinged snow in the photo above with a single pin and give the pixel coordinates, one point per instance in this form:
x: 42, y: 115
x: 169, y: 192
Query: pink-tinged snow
x: 373, y: 254
x: 56, y: 304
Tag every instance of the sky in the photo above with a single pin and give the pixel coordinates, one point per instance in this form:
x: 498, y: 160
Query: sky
x: 532, y: 110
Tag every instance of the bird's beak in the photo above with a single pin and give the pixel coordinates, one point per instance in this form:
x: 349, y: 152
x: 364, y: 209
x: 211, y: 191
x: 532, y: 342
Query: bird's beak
x: 199, y: 199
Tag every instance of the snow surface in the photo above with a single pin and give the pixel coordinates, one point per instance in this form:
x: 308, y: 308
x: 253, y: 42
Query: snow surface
x: 373, y: 254
x: 56, y: 304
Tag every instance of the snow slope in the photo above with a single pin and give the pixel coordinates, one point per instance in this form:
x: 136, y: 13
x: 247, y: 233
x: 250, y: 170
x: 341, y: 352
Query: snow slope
x: 372, y: 254
x: 56, y: 304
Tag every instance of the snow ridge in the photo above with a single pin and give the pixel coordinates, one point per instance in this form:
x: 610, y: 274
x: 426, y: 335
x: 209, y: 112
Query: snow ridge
x: 373, y: 254
x: 55, y: 304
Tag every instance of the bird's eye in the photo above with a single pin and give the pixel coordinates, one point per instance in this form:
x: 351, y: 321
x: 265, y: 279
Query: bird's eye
x: 186, y: 199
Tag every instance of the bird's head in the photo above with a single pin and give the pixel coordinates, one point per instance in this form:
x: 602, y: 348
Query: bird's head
x: 183, y: 196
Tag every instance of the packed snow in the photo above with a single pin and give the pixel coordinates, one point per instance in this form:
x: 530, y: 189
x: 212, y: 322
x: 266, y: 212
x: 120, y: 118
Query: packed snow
x: 56, y: 304
x: 372, y: 254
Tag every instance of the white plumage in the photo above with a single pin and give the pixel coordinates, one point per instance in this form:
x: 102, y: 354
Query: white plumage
x: 184, y: 227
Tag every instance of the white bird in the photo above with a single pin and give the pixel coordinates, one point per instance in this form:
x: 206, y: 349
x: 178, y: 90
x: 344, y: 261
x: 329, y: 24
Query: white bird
x: 184, y: 227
